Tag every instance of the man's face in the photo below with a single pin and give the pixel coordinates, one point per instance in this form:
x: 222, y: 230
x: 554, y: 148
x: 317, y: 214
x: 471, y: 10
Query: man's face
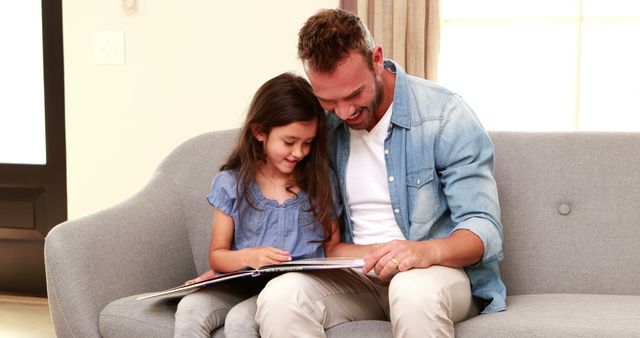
x: 352, y: 91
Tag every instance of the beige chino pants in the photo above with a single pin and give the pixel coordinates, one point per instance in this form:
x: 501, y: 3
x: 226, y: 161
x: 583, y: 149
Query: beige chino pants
x: 419, y: 302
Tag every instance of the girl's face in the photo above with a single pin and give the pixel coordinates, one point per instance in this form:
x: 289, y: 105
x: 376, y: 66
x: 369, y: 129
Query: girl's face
x: 285, y: 146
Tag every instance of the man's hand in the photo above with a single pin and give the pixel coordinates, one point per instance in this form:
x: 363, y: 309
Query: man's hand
x: 462, y: 248
x: 264, y: 255
x: 400, y: 255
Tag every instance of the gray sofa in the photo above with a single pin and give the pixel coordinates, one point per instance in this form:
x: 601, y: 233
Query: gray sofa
x: 571, y: 216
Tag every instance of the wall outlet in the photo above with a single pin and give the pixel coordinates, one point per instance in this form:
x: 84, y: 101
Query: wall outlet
x: 108, y: 48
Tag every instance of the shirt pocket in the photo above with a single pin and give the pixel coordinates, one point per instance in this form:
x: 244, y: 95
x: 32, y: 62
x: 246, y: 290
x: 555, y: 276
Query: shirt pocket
x: 423, y: 195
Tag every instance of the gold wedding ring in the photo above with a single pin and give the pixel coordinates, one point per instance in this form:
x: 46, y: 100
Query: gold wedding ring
x: 395, y: 261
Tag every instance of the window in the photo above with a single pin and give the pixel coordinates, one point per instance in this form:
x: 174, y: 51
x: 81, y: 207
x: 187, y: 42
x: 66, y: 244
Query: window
x: 22, y: 123
x: 546, y: 65
x: 33, y: 177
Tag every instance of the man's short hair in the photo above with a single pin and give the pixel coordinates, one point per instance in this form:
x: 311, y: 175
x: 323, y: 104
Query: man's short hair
x: 329, y: 35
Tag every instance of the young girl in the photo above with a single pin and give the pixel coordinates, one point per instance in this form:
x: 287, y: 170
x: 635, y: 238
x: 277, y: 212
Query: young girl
x: 273, y: 200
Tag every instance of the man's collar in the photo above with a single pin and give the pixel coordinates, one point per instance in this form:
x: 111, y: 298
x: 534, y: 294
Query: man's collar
x: 401, y: 115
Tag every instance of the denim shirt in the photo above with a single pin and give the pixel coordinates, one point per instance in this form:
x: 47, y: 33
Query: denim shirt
x: 439, y: 161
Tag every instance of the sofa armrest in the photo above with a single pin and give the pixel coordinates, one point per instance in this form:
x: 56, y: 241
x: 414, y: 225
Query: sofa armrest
x: 138, y: 246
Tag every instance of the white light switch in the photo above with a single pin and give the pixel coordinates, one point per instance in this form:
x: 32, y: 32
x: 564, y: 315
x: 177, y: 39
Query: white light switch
x: 108, y: 48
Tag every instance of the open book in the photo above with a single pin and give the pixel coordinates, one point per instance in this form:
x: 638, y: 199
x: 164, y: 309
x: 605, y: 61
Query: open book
x: 296, y: 265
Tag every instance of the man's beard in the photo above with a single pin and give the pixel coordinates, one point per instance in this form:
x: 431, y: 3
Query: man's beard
x: 379, y: 96
x: 370, y: 119
x: 375, y: 104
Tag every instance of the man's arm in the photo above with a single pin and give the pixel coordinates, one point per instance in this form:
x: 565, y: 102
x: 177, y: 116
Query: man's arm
x: 336, y: 248
x: 464, y: 162
x: 460, y: 249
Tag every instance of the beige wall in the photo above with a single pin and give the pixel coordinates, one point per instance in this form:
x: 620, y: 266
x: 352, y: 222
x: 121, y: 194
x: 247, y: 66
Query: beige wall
x: 190, y: 67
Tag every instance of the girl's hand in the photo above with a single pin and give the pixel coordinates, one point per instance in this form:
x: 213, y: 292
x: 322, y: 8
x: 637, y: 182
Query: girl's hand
x: 264, y: 255
x: 206, y: 275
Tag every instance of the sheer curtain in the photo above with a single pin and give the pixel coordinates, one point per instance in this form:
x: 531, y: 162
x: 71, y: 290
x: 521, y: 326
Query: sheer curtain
x: 408, y: 30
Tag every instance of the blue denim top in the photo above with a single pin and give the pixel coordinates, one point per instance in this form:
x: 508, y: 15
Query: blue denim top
x: 440, y: 165
x: 290, y: 226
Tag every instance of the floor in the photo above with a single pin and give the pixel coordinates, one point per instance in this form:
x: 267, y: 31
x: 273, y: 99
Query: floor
x: 25, y: 317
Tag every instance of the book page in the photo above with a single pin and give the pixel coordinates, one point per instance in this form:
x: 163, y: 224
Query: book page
x: 295, y: 265
x: 352, y: 261
x: 182, y: 290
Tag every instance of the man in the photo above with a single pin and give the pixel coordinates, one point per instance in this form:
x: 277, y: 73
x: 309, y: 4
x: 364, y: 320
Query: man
x: 415, y: 170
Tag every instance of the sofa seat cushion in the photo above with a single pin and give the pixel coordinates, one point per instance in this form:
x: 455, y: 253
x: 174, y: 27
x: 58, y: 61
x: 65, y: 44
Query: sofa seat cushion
x: 543, y: 315
x: 129, y: 317
x: 559, y: 315
x: 361, y: 329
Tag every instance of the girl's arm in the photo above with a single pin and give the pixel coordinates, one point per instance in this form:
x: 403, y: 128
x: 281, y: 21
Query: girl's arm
x: 223, y: 259
x: 336, y: 248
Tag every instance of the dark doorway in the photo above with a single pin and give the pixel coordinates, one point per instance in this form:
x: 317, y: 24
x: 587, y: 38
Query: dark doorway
x: 33, y: 197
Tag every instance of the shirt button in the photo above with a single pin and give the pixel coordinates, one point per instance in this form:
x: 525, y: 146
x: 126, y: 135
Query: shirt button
x: 386, y: 151
x: 397, y: 211
x: 391, y: 179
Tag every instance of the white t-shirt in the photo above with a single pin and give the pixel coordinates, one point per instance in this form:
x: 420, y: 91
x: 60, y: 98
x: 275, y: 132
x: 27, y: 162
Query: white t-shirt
x: 367, y: 186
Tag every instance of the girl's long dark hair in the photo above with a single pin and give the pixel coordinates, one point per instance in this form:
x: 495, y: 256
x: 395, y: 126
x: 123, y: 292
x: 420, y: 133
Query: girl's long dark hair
x: 285, y: 99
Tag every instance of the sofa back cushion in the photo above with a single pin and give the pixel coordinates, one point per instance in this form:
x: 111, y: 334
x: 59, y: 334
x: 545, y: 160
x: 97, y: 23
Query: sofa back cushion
x: 570, y: 207
x: 570, y: 211
x: 193, y: 165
